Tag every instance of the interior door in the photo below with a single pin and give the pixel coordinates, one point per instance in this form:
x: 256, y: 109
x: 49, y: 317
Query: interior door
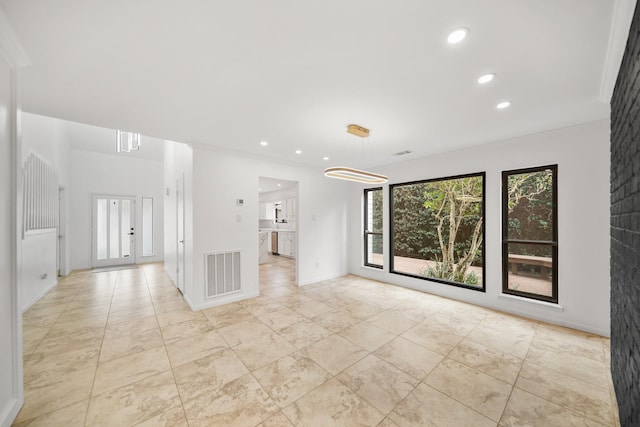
x: 180, y: 233
x: 62, y: 271
x: 113, y: 230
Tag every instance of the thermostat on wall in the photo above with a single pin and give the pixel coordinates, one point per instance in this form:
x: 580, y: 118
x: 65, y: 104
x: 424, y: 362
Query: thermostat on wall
x: 240, y: 202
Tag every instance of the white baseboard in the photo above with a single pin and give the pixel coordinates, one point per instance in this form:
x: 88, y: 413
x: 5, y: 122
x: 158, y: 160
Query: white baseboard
x: 42, y: 293
x: 219, y: 301
x: 10, y: 412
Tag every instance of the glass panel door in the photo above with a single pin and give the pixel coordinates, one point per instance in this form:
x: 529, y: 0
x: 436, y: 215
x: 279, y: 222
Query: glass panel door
x: 113, y: 234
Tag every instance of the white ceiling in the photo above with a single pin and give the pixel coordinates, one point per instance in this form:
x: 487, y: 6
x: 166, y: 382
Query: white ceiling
x: 296, y: 73
x: 266, y: 185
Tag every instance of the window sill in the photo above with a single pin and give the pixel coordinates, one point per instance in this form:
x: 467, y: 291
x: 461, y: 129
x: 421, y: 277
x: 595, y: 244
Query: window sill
x: 533, y: 302
x: 380, y: 269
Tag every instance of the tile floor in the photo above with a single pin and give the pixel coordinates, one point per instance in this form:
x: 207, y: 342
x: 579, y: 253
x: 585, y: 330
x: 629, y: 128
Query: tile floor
x: 121, y: 348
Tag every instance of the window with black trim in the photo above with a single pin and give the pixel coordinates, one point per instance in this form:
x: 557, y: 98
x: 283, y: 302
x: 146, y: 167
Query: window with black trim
x: 437, y: 230
x: 373, y: 253
x: 530, y: 233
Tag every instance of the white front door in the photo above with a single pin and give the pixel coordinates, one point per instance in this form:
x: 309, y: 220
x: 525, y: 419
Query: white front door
x: 113, y: 230
x: 180, y: 233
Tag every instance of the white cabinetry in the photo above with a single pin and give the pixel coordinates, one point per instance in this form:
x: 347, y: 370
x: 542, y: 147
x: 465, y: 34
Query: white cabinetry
x: 267, y: 210
x: 289, y: 209
x: 286, y: 243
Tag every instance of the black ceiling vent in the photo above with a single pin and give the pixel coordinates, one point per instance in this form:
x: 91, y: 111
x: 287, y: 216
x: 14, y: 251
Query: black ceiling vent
x: 402, y: 153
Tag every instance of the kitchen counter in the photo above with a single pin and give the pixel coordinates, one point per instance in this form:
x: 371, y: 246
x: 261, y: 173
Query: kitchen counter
x: 263, y: 242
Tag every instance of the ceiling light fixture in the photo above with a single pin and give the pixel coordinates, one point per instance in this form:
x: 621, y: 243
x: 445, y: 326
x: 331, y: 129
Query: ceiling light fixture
x: 502, y: 105
x: 298, y: 151
x: 458, y: 35
x: 352, y: 174
x: 127, y: 142
x: 325, y: 158
x: 486, y: 78
x: 264, y: 143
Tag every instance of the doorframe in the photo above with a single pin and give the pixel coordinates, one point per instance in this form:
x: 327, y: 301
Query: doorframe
x: 134, y: 222
x: 179, y: 274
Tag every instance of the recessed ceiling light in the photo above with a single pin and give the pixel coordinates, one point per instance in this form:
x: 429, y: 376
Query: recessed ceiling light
x: 298, y: 151
x: 279, y: 185
x: 458, y: 35
x: 486, y: 78
x: 325, y: 158
x: 502, y: 105
x: 259, y: 189
x: 264, y: 143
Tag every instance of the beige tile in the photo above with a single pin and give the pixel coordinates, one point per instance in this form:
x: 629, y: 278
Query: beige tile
x: 361, y: 310
x: 517, y: 345
x: 304, y: 333
x: 208, y: 373
x: 558, y: 339
x: 81, y: 313
x: 131, y: 314
x: 244, y: 331
x: 478, y: 391
x: 525, y: 409
x: 241, y: 402
x: 282, y: 319
x: 332, y: 404
x: 391, y: 321
x: 410, y: 357
x: 228, y: 318
x: 264, y: 307
x: 72, y: 415
x: 336, y: 320
x: 128, y: 345
x: 290, y: 377
x: 378, y: 382
x: 387, y: 423
x: 65, y: 343
x: 41, y: 369
x: 277, y: 420
x: 167, y: 306
x: 367, y: 335
x: 263, y: 350
x: 579, y: 396
x: 572, y: 364
x: 129, y: 369
x: 131, y: 328
x: 190, y: 349
x: 134, y: 403
x: 425, y: 406
x: 31, y: 337
x: 433, y: 338
x: 186, y: 329
x: 334, y: 353
x: 312, y: 309
x: 174, y: 417
x: 502, y: 366
x: 63, y: 391
x: 177, y: 316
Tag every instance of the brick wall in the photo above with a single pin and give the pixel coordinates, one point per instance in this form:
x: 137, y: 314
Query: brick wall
x: 625, y: 231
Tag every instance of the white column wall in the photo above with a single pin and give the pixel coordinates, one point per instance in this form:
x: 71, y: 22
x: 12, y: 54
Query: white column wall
x: 220, y: 225
x: 582, y: 155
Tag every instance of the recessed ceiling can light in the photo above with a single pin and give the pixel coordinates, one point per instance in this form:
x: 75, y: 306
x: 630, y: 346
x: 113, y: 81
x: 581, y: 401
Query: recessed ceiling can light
x: 279, y: 185
x: 502, y: 105
x: 325, y: 158
x: 264, y: 143
x: 298, y: 151
x: 458, y: 35
x: 259, y: 189
x: 486, y: 78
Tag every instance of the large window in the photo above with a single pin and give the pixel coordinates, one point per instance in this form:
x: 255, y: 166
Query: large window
x: 437, y: 230
x: 373, y: 254
x: 529, y: 233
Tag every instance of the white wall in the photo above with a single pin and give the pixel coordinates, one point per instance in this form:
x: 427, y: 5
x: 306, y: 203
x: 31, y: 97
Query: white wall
x: 178, y: 162
x: 582, y: 155
x: 113, y: 174
x: 220, y: 225
x: 11, y: 388
x: 48, y: 138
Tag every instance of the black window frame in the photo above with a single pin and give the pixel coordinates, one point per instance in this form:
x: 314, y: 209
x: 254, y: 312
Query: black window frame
x: 552, y: 243
x: 482, y: 174
x: 368, y: 233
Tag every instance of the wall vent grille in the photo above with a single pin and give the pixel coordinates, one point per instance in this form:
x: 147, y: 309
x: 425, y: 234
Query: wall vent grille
x: 222, y: 273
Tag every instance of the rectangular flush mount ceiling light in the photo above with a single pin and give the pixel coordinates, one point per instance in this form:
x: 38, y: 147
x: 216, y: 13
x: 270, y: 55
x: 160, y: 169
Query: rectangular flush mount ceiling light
x: 127, y: 142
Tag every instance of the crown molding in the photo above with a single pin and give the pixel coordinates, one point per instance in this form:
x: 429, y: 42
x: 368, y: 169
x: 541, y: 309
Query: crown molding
x: 618, y: 35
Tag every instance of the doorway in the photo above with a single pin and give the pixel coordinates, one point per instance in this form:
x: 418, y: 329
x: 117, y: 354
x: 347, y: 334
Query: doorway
x: 278, y: 233
x: 180, y: 233
x: 113, y: 230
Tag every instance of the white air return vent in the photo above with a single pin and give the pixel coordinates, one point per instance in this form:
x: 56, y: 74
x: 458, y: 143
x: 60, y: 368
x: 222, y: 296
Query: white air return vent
x: 222, y: 273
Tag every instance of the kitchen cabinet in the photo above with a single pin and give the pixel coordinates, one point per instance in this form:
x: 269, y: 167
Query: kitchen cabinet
x: 289, y: 209
x: 267, y: 210
x: 286, y: 243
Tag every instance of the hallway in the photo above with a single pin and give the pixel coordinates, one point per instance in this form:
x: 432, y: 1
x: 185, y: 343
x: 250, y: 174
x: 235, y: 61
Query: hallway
x: 121, y: 348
